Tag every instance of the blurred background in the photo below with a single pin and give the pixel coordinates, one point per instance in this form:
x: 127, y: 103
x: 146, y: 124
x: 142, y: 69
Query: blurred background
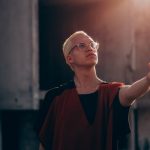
x: 31, y: 61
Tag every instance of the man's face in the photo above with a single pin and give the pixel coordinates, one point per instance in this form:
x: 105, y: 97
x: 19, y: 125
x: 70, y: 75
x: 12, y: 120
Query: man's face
x: 83, y: 52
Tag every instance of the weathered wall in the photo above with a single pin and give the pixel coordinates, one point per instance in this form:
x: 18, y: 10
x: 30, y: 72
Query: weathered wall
x: 18, y: 54
x: 18, y: 73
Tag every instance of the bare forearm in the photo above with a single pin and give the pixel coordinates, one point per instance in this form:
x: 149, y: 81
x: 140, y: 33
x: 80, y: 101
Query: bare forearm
x: 137, y: 89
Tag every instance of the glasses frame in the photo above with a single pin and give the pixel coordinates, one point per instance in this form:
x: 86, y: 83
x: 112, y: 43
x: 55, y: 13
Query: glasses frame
x: 86, y: 46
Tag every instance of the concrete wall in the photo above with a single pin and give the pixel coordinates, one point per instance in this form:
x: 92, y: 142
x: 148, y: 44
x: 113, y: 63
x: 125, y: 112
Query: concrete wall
x: 18, y: 74
x: 18, y: 54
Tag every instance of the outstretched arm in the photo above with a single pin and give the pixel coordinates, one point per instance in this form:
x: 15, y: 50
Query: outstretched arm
x: 129, y: 93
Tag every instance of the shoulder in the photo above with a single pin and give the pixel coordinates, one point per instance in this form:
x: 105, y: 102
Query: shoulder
x: 48, y: 99
x: 115, y: 84
x: 52, y: 93
x: 112, y: 85
x: 56, y: 91
x: 110, y: 90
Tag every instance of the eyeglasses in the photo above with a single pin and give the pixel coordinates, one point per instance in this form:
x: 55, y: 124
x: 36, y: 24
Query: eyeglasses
x: 83, y: 46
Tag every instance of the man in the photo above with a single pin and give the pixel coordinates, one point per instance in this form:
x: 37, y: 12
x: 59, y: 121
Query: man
x: 86, y: 113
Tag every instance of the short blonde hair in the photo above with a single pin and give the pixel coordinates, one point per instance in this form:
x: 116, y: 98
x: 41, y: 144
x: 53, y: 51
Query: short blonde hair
x: 68, y: 42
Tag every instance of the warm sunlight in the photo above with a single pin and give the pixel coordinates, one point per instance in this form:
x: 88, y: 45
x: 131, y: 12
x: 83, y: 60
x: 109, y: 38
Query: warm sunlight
x: 142, y: 3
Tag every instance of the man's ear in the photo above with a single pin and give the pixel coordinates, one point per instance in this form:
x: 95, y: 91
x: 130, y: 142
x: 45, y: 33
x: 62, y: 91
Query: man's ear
x: 69, y: 59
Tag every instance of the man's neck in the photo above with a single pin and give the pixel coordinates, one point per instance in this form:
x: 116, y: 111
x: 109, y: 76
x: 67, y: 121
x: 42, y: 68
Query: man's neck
x: 86, y: 81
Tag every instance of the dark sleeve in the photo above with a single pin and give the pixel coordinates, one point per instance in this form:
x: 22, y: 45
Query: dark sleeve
x: 121, y: 123
x: 43, y: 110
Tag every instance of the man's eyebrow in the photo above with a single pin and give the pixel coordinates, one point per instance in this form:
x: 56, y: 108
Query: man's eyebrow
x: 86, y: 42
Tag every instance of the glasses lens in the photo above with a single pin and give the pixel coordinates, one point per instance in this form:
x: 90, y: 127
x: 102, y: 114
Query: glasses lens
x: 82, y: 45
x: 94, y: 45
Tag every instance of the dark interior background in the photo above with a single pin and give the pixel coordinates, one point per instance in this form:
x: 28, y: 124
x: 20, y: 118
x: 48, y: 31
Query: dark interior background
x: 56, y: 23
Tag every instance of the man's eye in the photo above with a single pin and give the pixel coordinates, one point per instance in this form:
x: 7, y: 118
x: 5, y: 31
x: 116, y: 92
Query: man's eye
x: 82, y: 45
